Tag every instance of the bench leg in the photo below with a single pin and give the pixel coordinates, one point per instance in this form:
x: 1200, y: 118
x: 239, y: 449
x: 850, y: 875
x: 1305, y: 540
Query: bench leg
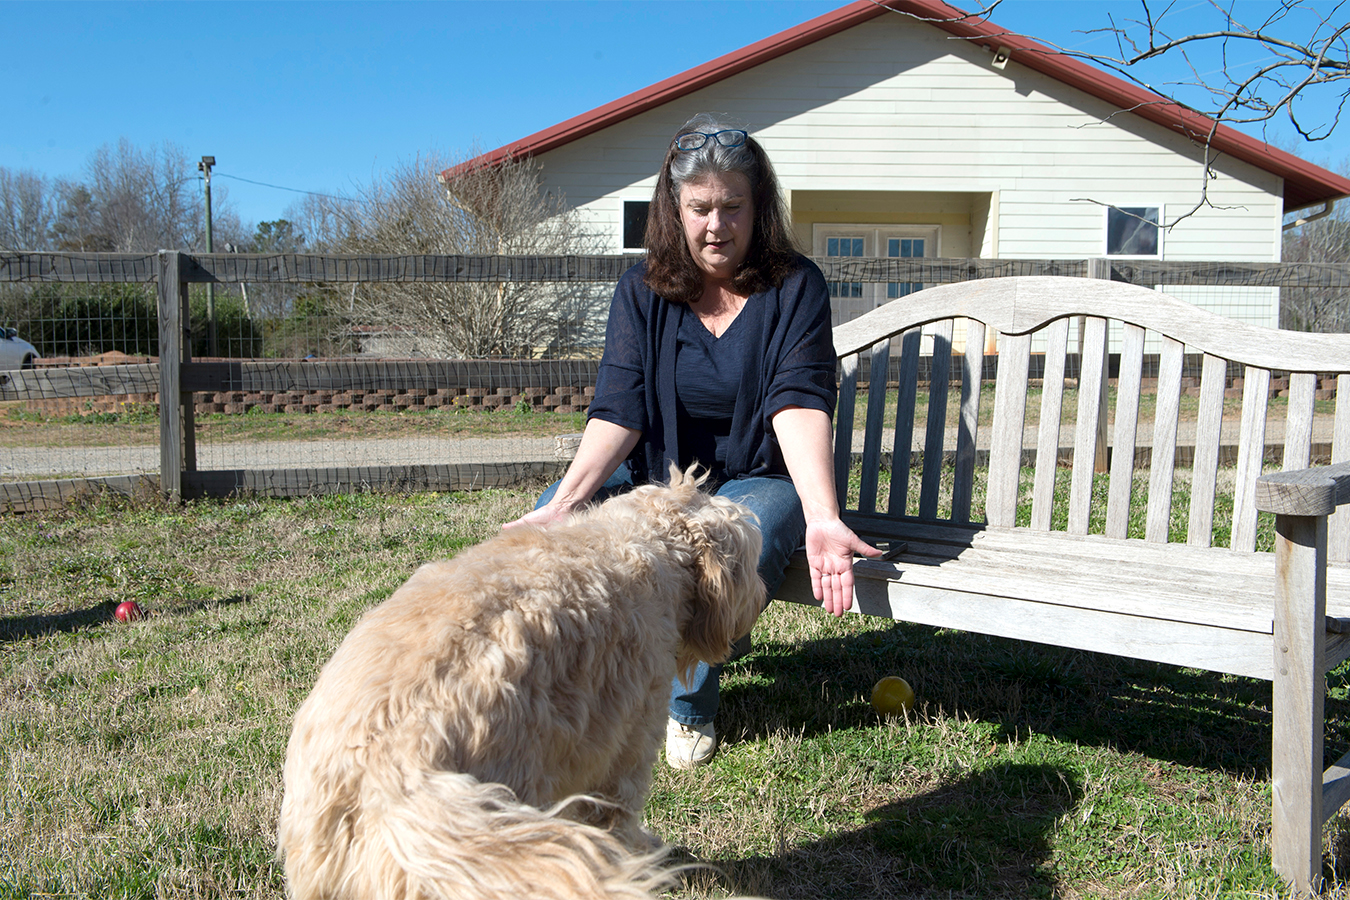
x: 1299, y: 691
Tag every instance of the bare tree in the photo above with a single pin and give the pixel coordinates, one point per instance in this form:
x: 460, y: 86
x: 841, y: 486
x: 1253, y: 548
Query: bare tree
x: 324, y: 220
x: 1263, y: 68
x: 486, y: 210
x: 28, y: 204
x: 134, y: 200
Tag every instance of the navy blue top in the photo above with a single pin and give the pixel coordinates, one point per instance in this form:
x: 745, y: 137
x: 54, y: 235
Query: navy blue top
x: 707, y: 385
x: 789, y: 360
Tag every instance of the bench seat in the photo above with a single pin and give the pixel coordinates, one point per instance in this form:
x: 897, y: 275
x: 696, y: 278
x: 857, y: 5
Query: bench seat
x: 1084, y: 592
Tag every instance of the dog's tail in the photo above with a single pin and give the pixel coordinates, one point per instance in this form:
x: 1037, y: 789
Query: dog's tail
x: 452, y: 836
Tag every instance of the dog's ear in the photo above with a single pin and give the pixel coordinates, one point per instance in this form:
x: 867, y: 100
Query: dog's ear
x: 728, y: 593
x: 693, y: 477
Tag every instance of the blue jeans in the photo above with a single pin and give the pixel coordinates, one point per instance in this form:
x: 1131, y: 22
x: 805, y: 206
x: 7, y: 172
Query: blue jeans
x: 783, y: 527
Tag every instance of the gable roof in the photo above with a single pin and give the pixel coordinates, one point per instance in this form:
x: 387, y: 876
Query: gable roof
x: 1305, y: 184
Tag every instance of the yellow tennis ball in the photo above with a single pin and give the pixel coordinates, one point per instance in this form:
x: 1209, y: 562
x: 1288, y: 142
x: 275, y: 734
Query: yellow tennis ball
x: 892, y: 696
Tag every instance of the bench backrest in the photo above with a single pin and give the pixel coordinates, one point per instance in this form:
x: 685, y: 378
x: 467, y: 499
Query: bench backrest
x: 1069, y: 313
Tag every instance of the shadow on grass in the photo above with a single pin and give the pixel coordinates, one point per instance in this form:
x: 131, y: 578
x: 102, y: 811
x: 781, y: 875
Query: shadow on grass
x: 213, y: 603
x: 1187, y: 716
x: 987, y: 835
x: 21, y: 628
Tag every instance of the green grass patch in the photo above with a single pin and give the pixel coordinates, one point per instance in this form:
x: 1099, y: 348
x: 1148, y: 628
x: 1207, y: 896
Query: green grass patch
x: 144, y: 760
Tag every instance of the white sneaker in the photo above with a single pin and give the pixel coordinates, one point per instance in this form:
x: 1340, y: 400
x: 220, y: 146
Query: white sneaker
x: 688, y: 746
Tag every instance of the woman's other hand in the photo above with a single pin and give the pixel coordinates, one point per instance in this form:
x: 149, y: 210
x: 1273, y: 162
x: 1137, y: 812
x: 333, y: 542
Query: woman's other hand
x: 830, y: 547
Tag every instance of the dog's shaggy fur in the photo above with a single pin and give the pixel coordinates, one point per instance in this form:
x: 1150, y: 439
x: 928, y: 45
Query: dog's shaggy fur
x: 442, y: 750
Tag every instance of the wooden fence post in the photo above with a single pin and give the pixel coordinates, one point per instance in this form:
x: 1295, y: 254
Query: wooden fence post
x: 172, y: 291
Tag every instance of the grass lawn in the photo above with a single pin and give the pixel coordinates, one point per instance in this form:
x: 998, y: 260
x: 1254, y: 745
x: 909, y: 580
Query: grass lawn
x: 144, y: 760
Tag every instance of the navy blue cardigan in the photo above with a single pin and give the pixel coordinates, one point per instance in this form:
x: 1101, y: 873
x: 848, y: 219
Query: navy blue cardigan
x: 635, y: 386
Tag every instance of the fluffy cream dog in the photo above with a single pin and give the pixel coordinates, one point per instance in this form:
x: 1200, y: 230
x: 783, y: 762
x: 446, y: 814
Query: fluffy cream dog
x: 443, y: 749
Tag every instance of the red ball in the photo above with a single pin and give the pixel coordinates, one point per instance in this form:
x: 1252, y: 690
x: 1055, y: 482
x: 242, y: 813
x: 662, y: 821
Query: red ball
x: 128, y: 611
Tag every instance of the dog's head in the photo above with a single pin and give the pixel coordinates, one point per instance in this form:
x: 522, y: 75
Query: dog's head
x: 722, y: 540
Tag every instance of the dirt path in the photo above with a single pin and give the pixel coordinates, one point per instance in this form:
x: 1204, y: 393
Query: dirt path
x: 46, y: 462
x: 66, y: 462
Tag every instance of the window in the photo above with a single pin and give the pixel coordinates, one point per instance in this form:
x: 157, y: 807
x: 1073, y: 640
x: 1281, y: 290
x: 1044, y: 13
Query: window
x: 852, y: 298
x: 904, y: 248
x: 850, y: 247
x: 1134, y: 231
x: 634, y: 223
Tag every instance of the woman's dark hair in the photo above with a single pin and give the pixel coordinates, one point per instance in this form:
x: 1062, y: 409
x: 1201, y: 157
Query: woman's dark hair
x: 773, y: 254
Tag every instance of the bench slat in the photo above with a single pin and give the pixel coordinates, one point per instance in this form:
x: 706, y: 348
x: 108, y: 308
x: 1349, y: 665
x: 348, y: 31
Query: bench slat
x: 935, y: 437
x: 1251, y: 453
x: 1020, y: 305
x: 843, y: 425
x: 1338, y: 526
x: 1205, y: 468
x: 876, y: 413
x: 1117, y: 588
x: 1097, y: 554
x: 1073, y: 549
x: 1335, y: 787
x: 972, y: 376
x: 1127, y: 427
x: 1090, y: 383
x: 1047, y: 436
x: 1010, y: 407
x: 908, y: 378
x: 1200, y: 577
x: 1177, y: 643
x: 1164, y: 441
x: 1059, y: 548
x: 1299, y: 419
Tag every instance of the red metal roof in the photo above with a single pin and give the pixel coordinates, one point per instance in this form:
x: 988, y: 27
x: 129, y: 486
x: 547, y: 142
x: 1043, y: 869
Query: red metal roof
x: 1304, y: 183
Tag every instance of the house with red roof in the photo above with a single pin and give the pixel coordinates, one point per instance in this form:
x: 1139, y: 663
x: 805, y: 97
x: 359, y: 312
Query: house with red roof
x: 908, y: 128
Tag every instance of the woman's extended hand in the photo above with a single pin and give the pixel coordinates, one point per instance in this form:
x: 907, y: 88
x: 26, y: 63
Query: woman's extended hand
x: 804, y: 435
x: 830, y: 546
x: 543, y: 516
x: 603, y: 446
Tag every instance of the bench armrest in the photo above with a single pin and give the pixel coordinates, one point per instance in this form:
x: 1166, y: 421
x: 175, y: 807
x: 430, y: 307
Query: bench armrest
x: 1304, y: 492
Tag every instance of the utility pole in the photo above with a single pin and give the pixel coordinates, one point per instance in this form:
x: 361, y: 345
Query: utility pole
x: 205, y: 168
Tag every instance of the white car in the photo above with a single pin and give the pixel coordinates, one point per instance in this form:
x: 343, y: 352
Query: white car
x: 15, y: 352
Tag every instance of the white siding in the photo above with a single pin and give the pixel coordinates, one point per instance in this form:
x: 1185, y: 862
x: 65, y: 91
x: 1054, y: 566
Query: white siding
x: 897, y: 106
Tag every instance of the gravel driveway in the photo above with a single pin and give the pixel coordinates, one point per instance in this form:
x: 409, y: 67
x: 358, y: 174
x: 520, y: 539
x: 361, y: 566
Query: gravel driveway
x: 66, y: 462
x: 45, y: 462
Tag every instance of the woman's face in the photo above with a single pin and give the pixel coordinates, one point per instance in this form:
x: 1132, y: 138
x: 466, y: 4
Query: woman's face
x: 718, y: 215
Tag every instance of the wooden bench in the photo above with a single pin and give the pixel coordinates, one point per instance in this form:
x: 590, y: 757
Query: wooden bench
x: 1012, y: 564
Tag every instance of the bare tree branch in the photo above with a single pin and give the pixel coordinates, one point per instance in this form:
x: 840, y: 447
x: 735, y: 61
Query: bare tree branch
x: 28, y: 204
x: 489, y: 210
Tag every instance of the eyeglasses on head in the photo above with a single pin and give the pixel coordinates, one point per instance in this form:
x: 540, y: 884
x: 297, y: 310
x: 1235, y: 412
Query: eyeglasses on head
x: 693, y: 140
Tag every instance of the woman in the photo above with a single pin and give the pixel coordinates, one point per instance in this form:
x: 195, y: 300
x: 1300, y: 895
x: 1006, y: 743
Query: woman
x: 718, y: 351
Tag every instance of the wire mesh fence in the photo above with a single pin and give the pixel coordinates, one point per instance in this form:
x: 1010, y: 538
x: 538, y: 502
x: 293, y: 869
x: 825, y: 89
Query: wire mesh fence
x: 288, y: 381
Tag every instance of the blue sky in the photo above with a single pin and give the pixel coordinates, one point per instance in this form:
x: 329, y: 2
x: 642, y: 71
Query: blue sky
x: 326, y: 96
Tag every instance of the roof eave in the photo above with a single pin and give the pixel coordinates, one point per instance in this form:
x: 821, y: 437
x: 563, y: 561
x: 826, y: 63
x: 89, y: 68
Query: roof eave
x: 1305, y: 184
